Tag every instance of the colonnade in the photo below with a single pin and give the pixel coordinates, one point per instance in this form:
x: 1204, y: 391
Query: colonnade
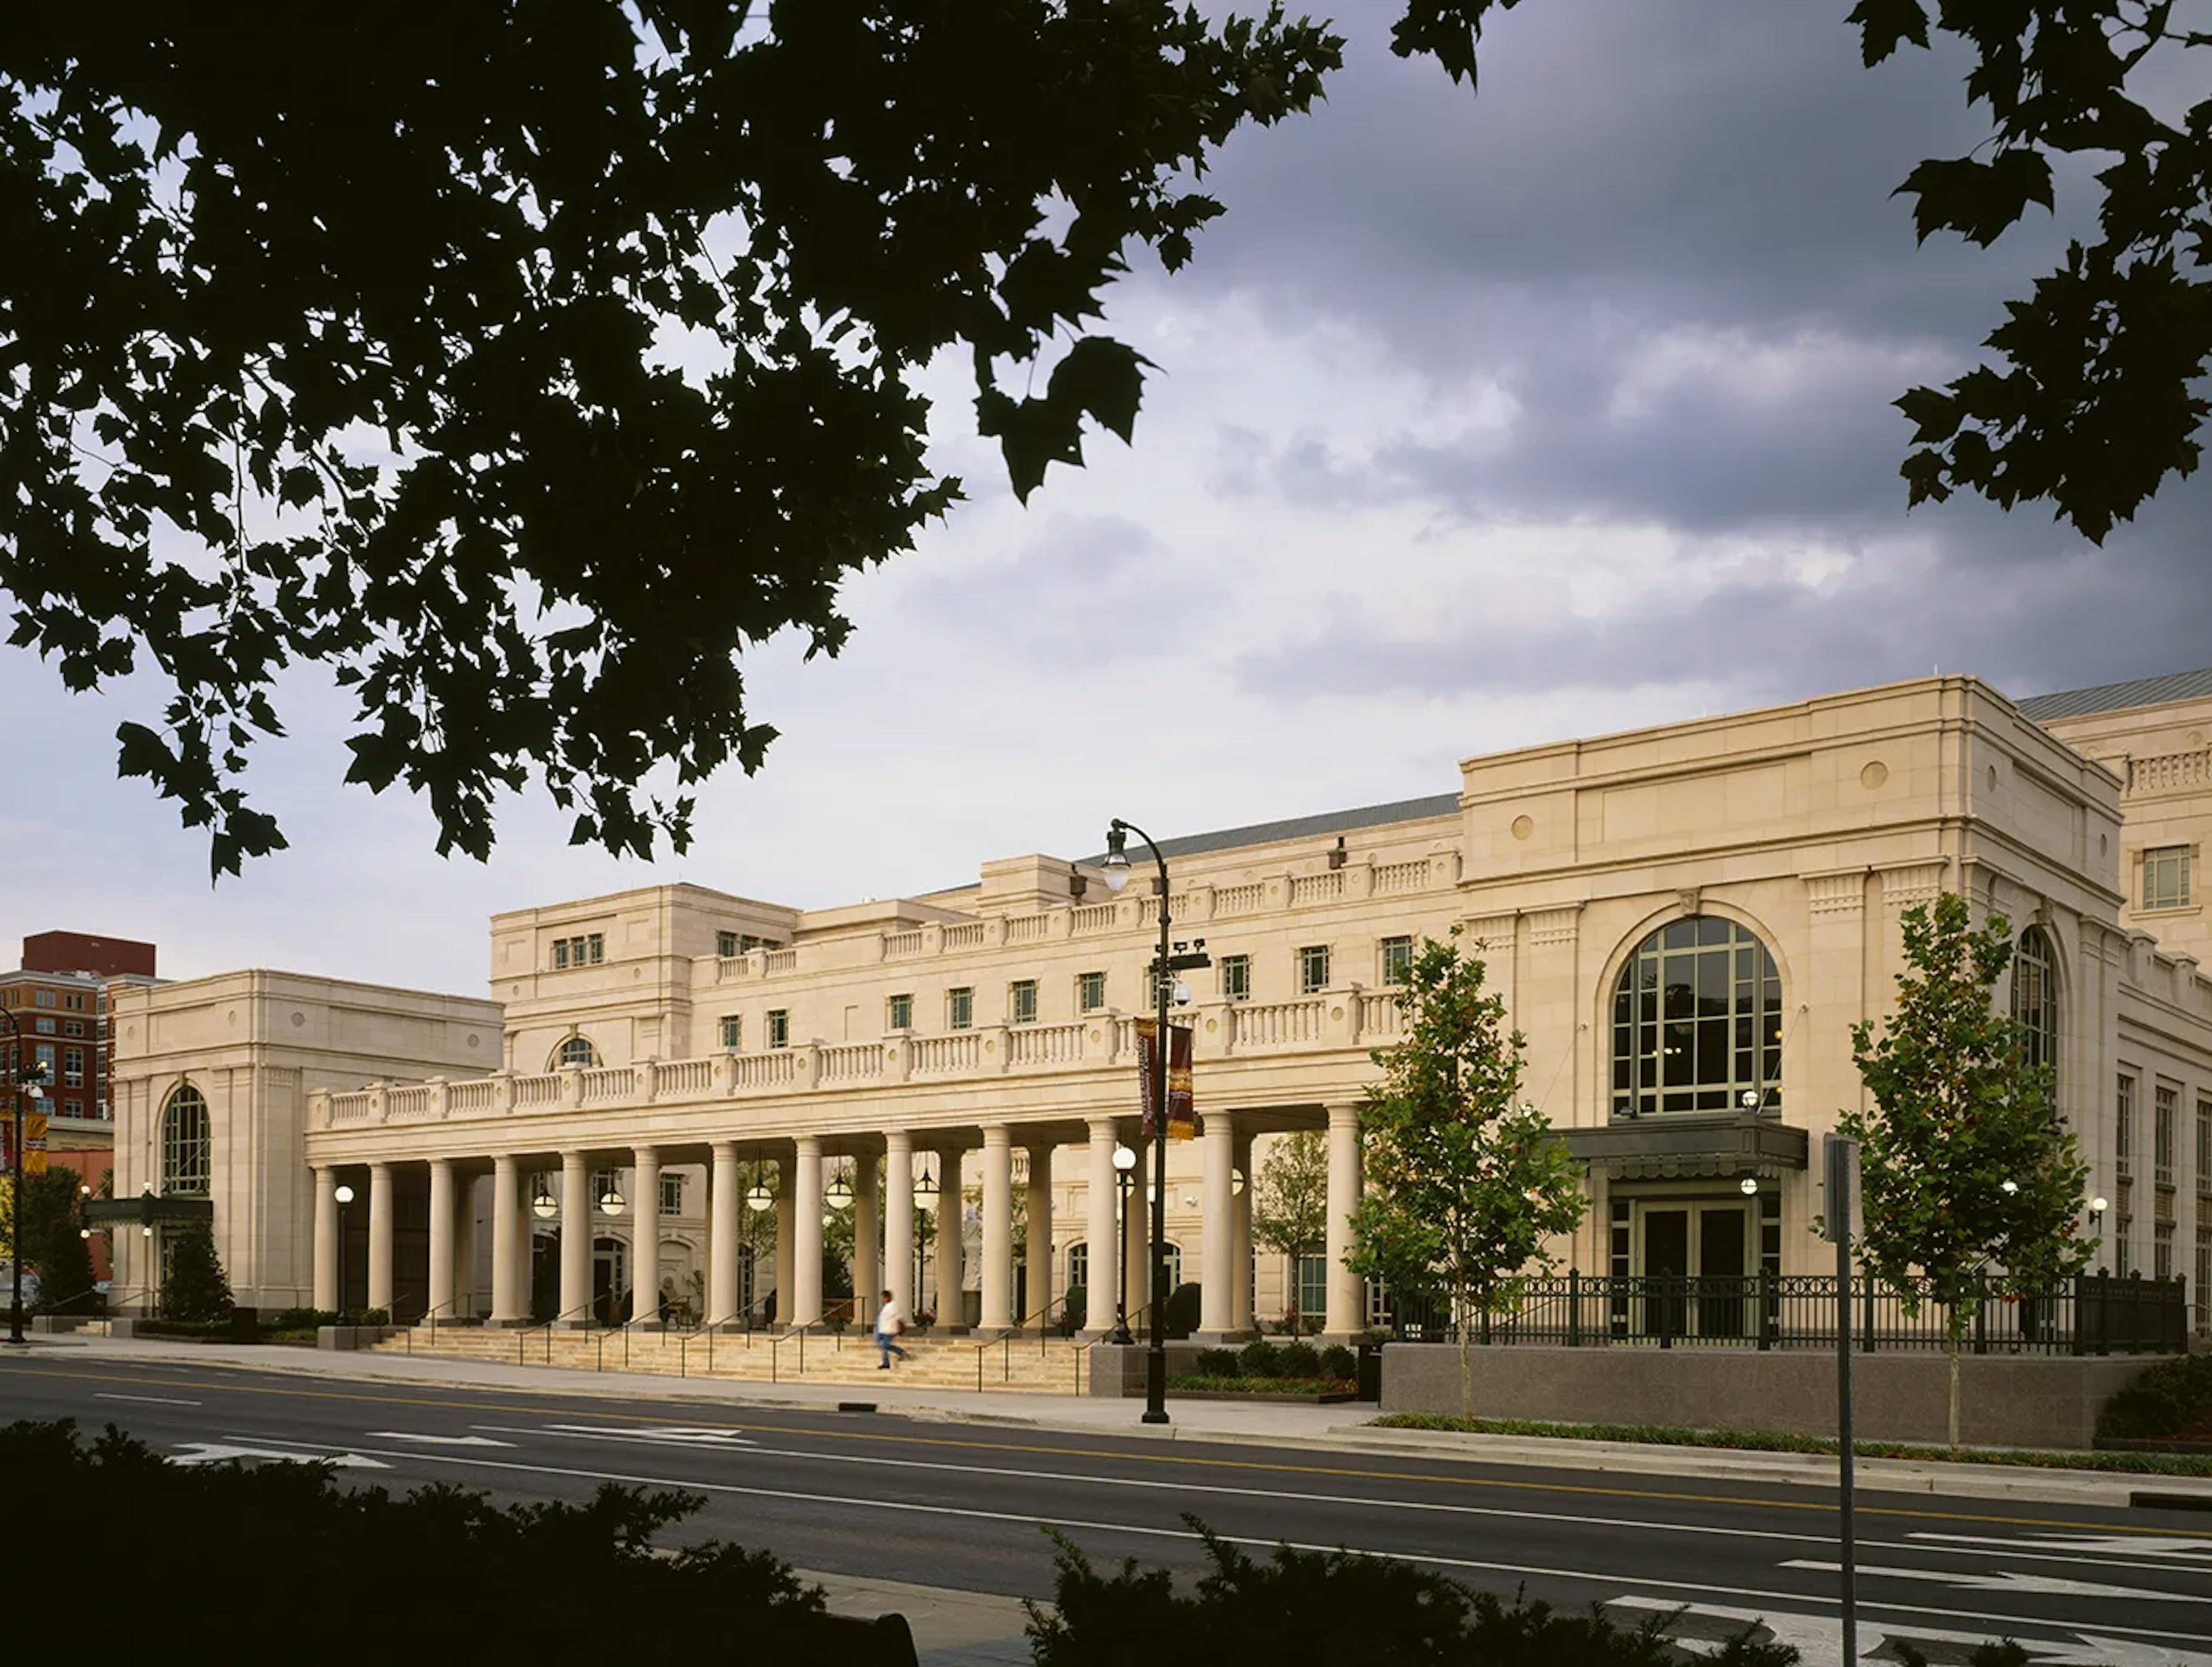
x: 1223, y: 1269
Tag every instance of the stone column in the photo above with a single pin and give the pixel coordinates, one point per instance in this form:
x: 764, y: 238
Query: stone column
x: 951, y: 1262
x: 1104, y: 1255
x: 1344, y: 1319
x: 867, y: 1277
x: 997, y: 1306
x: 575, y: 1241
x: 1037, y: 1253
x: 380, y: 1236
x: 442, y: 1213
x: 786, y: 1244
x: 806, y: 1234
x: 645, y: 1234
x: 722, y: 1300
x: 1240, y: 1285
x: 1217, y: 1300
x: 326, y: 1238
x: 510, y: 1290
x: 898, y: 1219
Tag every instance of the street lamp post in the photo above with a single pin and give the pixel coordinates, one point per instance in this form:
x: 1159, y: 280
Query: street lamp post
x: 15, y: 1087
x: 1125, y: 1177
x: 926, y: 1192
x: 1116, y: 868
x: 342, y: 1197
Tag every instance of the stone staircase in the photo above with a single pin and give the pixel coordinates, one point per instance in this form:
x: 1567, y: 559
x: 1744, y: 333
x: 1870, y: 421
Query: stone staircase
x: 1019, y: 1364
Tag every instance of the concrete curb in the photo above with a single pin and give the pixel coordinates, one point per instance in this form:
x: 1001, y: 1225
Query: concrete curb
x: 1799, y: 1469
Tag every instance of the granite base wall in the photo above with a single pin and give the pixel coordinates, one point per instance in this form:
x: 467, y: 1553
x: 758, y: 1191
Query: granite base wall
x: 2004, y: 1401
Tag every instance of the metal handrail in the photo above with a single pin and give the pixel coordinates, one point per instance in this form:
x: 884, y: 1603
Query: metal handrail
x: 775, y: 1344
x: 521, y: 1336
x: 109, y: 1318
x: 1004, y: 1341
x: 711, y: 1327
x: 429, y: 1317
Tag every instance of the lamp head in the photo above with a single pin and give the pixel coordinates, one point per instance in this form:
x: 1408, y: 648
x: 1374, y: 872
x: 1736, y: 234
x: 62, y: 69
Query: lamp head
x: 544, y: 1209
x: 343, y: 1195
x: 2011, y: 1187
x: 1748, y: 1186
x: 1117, y: 858
x: 760, y: 1198
x: 2097, y: 1207
x: 1749, y: 1099
x: 1125, y: 1159
x: 611, y: 1202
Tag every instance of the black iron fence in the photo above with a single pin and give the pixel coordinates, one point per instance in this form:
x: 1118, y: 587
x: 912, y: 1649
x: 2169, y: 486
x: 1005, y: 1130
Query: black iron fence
x: 2095, y: 1314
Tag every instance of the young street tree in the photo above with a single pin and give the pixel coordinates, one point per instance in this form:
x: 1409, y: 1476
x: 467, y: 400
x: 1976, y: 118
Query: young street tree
x: 1465, y: 1183
x: 1289, y: 1204
x: 194, y: 1288
x: 1969, y: 1177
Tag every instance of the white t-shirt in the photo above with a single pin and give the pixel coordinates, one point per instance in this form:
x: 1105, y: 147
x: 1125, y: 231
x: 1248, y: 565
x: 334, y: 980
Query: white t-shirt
x: 887, y: 1320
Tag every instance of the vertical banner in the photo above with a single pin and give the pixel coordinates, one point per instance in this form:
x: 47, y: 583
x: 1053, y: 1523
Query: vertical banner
x: 35, y: 1143
x: 1182, y: 1117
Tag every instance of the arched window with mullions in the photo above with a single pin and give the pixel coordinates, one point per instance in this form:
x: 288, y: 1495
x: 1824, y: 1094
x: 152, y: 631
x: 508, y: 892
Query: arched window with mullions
x: 575, y: 1050
x: 187, y: 1142
x: 2035, y: 995
x: 1697, y: 1022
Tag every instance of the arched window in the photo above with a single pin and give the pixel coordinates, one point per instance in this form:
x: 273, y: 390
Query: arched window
x: 2035, y: 995
x: 1697, y: 1021
x: 186, y: 1164
x: 575, y: 1050
x: 1078, y: 1265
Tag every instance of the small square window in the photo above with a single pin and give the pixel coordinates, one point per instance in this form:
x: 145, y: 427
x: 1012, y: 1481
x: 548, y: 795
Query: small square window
x: 779, y: 1028
x: 72, y: 1108
x: 1313, y: 969
x: 959, y: 1008
x: 671, y: 1195
x: 44, y: 998
x: 1237, y: 978
x: 725, y: 943
x: 74, y: 1001
x: 902, y: 1013
x: 43, y: 1027
x: 1397, y: 960
x: 73, y: 1027
x: 2165, y: 877
x: 1021, y: 1000
x: 733, y: 1032
x: 1090, y: 991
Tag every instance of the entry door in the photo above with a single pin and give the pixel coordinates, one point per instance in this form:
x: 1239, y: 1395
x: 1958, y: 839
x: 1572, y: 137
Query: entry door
x: 1720, y: 1270
x: 1666, y: 1263
x: 608, y: 1285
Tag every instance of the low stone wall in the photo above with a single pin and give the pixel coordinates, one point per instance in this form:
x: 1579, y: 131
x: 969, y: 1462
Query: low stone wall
x: 2004, y: 1401
x: 1113, y: 1369
x: 354, y: 1336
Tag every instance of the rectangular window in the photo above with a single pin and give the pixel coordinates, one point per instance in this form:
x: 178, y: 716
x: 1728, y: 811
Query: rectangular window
x: 725, y: 943
x: 959, y: 1008
x: 43, y: 1027
x: 671, y: 1195
x: 2204, y: 1148
x: 73, y: 1027
x: 1090, y: 991
x: 73, y: 1107
x: 2165, y: 877
x: 44, y: 998
x: 72, y: 1067
x: 1021, y: 1000
x: 2124, y: 1128
x: 2162, y: 1251
x: 1397, y: 960
x: 1313, y: 1286
x: 1237, y: 978
x: 901, y: 1016
x: 74, y: 1001
x: 1313, y: 969
x: 2166, y: 1106
x: 560, y: 954
x: 733, y: 1032
x: 2204, y: 1279
x: 585, y: 949
x: 46, y: 1062
x: 779, y: 1028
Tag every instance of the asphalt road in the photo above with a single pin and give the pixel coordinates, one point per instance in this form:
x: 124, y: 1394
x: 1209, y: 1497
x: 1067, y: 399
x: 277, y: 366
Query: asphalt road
x: 962, y: 1505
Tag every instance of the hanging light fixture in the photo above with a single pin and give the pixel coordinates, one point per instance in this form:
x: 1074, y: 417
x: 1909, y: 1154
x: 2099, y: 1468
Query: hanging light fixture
x: 924, y: 1189
x: 759, y: 1197
x: 839, y: 1194
x: 1236, y: 1184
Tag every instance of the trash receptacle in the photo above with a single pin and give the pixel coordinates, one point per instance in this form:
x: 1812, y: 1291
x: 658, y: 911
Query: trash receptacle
x: 1370, y: 1372
x: 244, y: 1325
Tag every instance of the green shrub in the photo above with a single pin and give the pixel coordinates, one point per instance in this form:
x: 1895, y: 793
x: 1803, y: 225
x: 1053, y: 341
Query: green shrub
x: 1182, y: 1311
x: 2172, y: 1399
x: 1074, y: 1311
x: 300, y: 1319
x: 194, y: 1288
x: 1299, y: 1360
x: 1260, y: 1359
x: 1338, y: 1362
x: 1215, y: 1363
x: 1329, y: 1606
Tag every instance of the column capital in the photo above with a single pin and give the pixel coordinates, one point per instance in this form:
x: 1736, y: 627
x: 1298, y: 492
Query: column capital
x: 1343, y: 1116
x: 997, y: 1135
x: 645, y: 1154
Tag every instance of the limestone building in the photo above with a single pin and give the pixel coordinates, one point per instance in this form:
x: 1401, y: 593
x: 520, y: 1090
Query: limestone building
x: 1685, y: 921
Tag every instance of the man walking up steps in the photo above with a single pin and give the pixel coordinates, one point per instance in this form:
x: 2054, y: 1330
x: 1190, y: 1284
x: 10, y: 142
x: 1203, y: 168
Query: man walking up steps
x: 890, y: 1322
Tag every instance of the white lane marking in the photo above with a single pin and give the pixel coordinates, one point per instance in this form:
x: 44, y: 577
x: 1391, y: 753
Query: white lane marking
x: 2009, y: 1623
x: 581, y: 1431
x: 1965, y: 1579
x: 2127, y: 1549
x: 440, y: 1440
x: 151, y: 1400
x: 1819, y: 1640
x: 214, y: 1452
x: 674, y: 1435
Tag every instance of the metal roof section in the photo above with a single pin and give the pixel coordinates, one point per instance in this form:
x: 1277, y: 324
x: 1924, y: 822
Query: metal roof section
x: 2119, y: 696
x: 1304, y: 827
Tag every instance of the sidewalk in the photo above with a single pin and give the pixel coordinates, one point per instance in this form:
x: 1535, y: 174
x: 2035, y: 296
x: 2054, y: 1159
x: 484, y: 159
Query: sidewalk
x: 1333, y: 1428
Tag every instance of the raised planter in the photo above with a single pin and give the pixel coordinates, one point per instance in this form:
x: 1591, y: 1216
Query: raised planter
x: 354, y: 1336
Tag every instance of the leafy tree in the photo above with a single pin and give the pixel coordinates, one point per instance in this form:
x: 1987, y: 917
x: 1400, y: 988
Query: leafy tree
x: 1465, y: 1183
x: 1968, y: 1172
x: 194, y: 1288
x: 524, y: 365
x: 2100, y: 401
x: 51, y: 1241
x: 1290, y: 1202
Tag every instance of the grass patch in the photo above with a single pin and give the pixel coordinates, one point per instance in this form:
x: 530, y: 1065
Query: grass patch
x: 1760, y: 1441
x: 1206, y: 1383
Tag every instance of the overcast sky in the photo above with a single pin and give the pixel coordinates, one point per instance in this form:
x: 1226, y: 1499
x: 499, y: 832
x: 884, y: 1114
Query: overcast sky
x: 1481, y: 422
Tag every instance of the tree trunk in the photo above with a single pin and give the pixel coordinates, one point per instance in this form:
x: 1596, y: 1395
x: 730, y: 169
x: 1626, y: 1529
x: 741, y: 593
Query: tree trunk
x: 1466, y: 1371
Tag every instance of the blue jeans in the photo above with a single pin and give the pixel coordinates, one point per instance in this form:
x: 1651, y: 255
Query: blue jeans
x: 888, y: 1341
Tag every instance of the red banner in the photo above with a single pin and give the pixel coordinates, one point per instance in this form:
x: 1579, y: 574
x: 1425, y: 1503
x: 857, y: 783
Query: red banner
x: 1182, y: 1117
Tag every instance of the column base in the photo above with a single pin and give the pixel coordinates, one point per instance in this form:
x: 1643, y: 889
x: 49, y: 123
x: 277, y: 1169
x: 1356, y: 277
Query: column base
x: 507, y: 1324
x: 1223, y: 1339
